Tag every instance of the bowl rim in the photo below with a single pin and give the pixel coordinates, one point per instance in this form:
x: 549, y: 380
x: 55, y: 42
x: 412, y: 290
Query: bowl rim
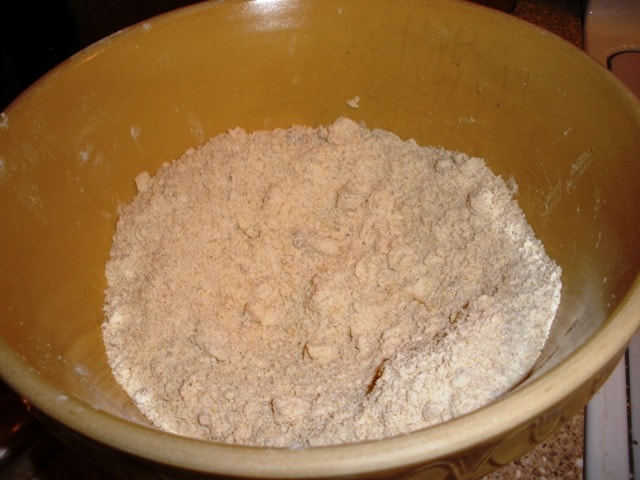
x: 503, y: 415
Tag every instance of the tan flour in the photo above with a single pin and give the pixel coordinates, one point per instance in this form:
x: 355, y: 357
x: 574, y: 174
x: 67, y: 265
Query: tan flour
x: 319, y: 286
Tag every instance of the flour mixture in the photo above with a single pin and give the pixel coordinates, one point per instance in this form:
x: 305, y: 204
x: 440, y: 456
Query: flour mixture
x: 316, y: 286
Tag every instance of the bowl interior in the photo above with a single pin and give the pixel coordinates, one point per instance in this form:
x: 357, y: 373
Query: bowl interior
x: 444, y: 73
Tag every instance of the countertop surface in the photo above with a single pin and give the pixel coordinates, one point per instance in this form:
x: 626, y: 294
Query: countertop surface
x: 558, y: 457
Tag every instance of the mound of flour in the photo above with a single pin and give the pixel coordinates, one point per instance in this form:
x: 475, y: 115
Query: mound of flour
x: 316, y: 286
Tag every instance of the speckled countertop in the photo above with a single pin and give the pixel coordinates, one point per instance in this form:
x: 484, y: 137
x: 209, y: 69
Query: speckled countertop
x: 557, y: 458
x: 562, y: 17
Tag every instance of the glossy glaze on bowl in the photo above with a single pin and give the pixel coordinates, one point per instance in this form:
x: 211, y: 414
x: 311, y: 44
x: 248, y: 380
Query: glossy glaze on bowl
x: 442, y: 72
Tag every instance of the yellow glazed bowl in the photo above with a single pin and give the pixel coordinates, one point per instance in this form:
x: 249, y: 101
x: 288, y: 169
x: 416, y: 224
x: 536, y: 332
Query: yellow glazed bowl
x: 442, y: 72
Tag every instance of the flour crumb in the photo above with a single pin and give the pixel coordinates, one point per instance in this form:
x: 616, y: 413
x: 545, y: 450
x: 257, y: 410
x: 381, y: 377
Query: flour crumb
x: 315, y: 286
x: 135, y: 132
x: 354, y: 102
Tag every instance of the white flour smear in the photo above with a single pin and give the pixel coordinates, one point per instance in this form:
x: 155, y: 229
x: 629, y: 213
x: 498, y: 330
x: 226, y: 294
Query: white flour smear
x: 316, y: 286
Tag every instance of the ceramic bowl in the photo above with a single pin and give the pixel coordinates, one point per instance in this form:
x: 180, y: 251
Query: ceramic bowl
x: 445, y: 73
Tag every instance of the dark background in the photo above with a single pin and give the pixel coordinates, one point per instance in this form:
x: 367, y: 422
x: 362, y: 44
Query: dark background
x: 37, y: 35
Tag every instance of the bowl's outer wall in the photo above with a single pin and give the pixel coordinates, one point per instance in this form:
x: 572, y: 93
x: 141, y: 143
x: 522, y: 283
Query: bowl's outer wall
x: 444, y: 73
